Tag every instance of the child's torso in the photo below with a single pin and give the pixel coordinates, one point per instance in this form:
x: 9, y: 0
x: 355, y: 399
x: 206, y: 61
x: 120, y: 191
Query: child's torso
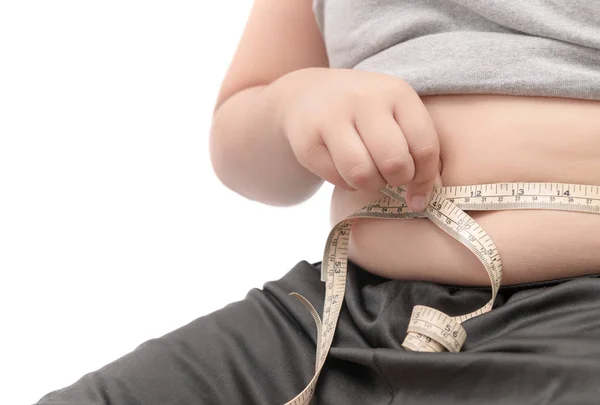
x: 517, y: 48
x: 490, y: 139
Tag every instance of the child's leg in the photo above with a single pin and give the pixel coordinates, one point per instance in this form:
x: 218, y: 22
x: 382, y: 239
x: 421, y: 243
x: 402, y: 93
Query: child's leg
x: 538, y: 345
x: 256, y: 351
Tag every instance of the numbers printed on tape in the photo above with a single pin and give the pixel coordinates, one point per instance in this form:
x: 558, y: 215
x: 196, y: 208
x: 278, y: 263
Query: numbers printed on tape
x: 430, y: 330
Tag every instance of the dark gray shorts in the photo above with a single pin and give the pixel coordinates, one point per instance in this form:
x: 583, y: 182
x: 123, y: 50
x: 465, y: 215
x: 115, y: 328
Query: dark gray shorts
x: 539, y: 345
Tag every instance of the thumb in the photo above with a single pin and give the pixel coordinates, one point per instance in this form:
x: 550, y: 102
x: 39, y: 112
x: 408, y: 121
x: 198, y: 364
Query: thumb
x: 418, y: 196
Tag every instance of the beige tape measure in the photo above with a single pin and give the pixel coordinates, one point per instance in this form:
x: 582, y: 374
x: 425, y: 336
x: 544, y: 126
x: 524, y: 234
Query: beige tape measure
x: 430, y: 330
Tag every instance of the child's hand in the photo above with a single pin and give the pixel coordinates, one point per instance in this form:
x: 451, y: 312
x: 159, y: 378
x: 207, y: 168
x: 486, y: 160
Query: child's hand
x: 361, y: 130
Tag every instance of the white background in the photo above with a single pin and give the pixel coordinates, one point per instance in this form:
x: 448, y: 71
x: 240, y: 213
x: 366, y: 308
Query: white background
x: 113, y: 228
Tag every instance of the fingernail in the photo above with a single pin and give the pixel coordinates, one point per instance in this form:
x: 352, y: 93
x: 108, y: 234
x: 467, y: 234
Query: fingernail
x: 418, y: 202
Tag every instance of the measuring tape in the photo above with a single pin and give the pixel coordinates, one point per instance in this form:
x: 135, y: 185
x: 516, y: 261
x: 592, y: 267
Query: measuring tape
x: 430, y: 330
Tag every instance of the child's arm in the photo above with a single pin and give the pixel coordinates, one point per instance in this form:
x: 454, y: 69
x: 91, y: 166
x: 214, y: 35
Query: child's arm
x: 249, y: 151
x: 288, y: 121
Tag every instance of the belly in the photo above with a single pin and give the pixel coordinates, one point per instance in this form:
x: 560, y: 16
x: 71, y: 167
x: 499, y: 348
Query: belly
x: 491, y: 139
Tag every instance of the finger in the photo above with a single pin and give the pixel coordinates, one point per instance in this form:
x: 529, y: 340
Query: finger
x: 418, y: 195
x: 352, y: 159
x: 319, y: 161
x: 423, y: 144
x: 386, y: 144
x: 419, y: 190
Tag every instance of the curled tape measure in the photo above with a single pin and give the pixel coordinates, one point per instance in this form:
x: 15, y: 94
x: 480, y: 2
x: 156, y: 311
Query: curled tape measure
x: 430, y: 330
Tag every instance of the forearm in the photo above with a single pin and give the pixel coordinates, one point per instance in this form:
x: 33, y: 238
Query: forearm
x: 250, y: 153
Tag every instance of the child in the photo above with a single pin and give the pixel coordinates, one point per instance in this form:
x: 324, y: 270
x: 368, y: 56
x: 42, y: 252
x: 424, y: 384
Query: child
x: 365, y: 94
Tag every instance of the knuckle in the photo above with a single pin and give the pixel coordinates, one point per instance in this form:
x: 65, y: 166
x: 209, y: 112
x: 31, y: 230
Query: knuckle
x: 400, y: 86
x: 308, y: 152
x: 360, y: 175
x: 427, y: 153
x: 395, y: 166
x: 352, y: 99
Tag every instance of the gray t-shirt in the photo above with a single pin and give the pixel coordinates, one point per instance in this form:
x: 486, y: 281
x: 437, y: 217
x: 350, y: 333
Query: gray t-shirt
x: 517, y: 47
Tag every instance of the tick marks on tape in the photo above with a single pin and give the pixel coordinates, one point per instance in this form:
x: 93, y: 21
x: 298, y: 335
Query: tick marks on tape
x: 430, y: 330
